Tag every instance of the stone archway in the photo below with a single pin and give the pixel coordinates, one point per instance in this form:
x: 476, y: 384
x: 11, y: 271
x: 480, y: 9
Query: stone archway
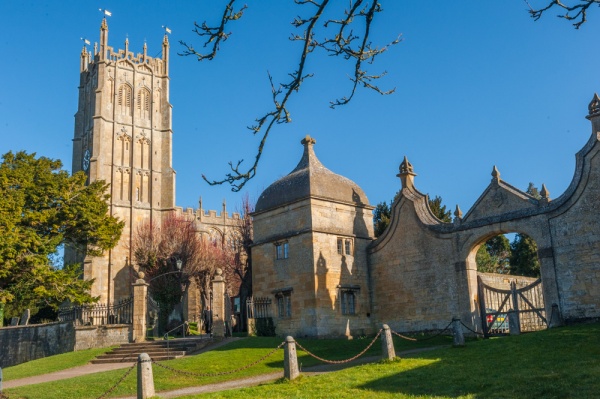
x: 500, y: 298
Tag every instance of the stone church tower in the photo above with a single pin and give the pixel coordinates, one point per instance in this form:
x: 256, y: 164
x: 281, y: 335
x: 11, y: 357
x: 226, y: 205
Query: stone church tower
x: 123, y: 136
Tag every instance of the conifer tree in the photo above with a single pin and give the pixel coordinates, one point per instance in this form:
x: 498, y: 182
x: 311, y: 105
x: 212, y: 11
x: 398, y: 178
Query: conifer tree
x: 42, y: 209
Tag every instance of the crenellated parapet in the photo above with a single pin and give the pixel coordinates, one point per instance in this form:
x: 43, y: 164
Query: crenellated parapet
x: 125, y: 57
x: 213, y: 224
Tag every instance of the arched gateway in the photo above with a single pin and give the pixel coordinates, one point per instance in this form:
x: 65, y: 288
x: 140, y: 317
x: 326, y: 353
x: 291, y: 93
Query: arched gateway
x: 421, y: 272
x: 424, y: 270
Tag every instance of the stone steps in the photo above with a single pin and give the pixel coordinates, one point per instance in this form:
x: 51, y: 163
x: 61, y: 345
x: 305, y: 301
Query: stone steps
x: 157, y: 350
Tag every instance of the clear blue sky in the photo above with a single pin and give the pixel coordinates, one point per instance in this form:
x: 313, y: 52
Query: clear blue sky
x: 478, y: 84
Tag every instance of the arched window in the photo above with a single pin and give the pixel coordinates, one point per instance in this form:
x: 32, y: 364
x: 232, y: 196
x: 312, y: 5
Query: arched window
x: 125, y: 99
x: 143, y: 103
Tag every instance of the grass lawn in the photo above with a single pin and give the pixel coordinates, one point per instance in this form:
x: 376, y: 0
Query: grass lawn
x: 558, y: 363
x: 51, y: 364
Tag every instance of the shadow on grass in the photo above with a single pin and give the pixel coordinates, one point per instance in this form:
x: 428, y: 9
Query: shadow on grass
x: 559, y: 363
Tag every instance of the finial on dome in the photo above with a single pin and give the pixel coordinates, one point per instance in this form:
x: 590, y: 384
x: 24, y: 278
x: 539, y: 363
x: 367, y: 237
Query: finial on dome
x: 406, y: 174
x: 495, y: 174
x: 308, y: 140
x: 405, y: 166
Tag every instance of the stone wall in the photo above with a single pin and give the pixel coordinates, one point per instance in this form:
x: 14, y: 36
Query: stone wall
x: 424, y: 270
x: 88, y: 337
x: 24, y: 343
x: 502, y: 281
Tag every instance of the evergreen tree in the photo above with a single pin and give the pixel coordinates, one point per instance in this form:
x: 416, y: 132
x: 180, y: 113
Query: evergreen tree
x: 439, y: 210
x: 383, y: 213
x: 381, y: 218
x: 43, y: 208
x: 494, y: 256
x: 524, y: 259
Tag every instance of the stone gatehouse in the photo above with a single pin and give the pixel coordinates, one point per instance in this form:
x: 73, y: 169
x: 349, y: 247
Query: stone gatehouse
x: 316, y: 259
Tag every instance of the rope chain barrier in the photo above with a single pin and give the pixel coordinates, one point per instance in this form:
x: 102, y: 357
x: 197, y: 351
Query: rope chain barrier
x: 423, y: 339
x: 194, y: 374
x: 118, y: 382
x: 340, y: 361
x: 470, y: 329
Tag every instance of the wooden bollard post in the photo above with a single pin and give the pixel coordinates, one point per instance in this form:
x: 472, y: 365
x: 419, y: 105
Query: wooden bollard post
x: 145, y: 379
x: 290, y: 359
x: 457, y: 333
x: 387, y: 344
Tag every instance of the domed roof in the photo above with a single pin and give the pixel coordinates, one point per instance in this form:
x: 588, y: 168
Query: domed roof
x: 310, y: 179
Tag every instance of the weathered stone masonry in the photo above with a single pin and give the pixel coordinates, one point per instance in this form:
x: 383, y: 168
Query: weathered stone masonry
x: 421, y: 272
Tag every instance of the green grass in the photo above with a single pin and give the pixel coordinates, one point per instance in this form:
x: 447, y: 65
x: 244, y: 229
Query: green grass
x: 558, y: 363
x: 51, y: 364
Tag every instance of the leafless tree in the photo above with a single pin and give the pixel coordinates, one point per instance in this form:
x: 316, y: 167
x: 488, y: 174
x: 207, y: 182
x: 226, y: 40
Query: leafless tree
x: 238, y: 260
x: 157, y: 249
x: 346, y: 35
x: 575, y: 11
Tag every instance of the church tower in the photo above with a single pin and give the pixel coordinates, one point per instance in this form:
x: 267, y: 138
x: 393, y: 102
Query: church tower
x: 123, y: 136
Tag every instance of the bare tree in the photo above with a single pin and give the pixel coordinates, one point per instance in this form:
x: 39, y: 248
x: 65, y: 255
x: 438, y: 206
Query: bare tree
x: 157, y: 250
x: 238, y: 260
x: 575, y: 11
x: 346, y: 35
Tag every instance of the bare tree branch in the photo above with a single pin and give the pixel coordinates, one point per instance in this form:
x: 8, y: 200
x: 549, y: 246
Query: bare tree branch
x: 341, y: 44
x: 575, y: 11
x: 213, y: 35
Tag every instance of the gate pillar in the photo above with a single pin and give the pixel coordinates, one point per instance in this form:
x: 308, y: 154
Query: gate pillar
x: 218, y: 306
x: 140, y: 309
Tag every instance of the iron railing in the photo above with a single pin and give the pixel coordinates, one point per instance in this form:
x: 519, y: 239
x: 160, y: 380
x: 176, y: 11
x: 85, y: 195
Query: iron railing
x: 99, y: 314
x: 258, y: 308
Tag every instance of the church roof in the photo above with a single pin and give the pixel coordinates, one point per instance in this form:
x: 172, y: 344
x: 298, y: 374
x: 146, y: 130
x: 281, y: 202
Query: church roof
x: 311, y: 179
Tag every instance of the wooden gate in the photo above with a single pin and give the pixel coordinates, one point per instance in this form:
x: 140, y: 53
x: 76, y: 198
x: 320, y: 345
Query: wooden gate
x: 513, y: 309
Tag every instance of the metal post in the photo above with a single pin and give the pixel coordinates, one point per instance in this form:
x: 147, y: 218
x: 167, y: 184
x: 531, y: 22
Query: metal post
x: 0, y: 380
x: 290, y: 359
x: 145, y: 379
x: 387, y: 344
x: 457, y: 333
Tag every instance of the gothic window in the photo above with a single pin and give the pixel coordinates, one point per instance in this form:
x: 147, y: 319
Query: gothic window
x: 125, y: 99
x: 282, y: 250
x: 234, y: 241
x: 123, y: 183
x: 143, y: 155
x: 215, y: 236
x: 146, y: 188
x: 126, y: 155
x: 143, y: 103
x: 110, y: 86
x: 119, y: 182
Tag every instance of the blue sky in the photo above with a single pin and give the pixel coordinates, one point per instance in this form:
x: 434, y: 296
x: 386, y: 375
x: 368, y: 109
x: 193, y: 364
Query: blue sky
x: 477, y: 84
